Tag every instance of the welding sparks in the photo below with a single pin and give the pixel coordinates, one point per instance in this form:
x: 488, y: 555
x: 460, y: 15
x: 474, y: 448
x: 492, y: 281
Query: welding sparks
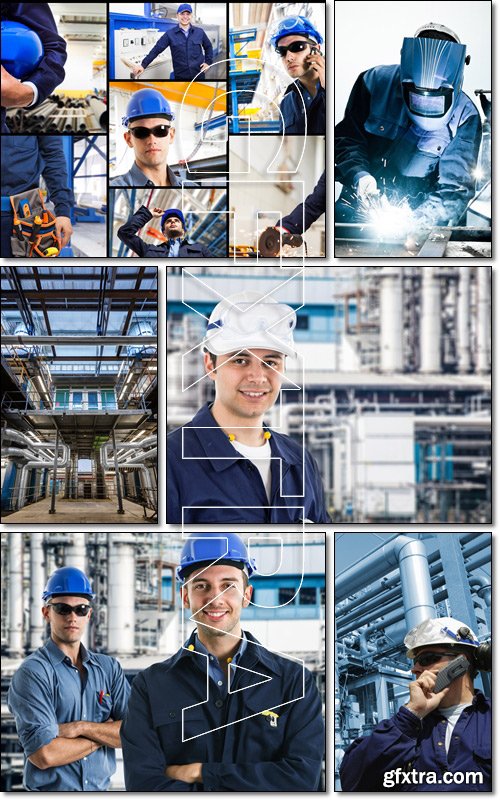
x: 478, y: 174
x: 390, y: 220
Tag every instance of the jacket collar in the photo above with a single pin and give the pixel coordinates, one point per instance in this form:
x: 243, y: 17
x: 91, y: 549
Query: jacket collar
x: 254, y: 653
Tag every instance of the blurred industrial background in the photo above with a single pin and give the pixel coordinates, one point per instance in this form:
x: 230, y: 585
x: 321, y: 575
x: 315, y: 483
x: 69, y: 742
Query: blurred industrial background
x: 384, y: 586
x: 205, y: 212
x: 396, y: 406
x: 137, y: 616
x: 79, y: 394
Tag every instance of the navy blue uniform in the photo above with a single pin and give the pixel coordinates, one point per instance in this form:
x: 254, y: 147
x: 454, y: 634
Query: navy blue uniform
x: 239, y: 746
x: 188, y: 52
x: 128, y: 235
x: 50, y: 71
x: 292, y: 108
x: 433, y: 169
x: 24, y: 159
x: 204, y: 470
x: 407, y: 742
x: 303, y: 215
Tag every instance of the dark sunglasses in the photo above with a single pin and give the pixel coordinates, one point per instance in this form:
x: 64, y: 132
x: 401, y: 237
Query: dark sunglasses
x: 425, y: 659
x: 160, y: 131
x: 295, y: 47
x: 65, y: 610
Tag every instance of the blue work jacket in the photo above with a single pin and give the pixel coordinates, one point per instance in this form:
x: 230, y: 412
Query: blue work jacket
x: 127, y: 234
x: 188, y: 52
x: 47, y: 690
x: 432, y: 169
x: 407, y: 742
x: 216, y: 484
x: 25, y: 158
x: 50, y: 72
x: 292, y: 109
x: 303, y: 215
x: 170, y: 720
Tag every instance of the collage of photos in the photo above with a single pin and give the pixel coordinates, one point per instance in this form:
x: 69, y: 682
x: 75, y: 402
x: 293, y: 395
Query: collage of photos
x: 219, y: 108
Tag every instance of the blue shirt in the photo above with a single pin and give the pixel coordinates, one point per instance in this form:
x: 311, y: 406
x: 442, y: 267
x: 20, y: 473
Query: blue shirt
x: 174, y: 247
x: 407, y: 742
x: 214, y: 670
x: 243, y: 748
x: 25, y: 158
x: 47, y: 690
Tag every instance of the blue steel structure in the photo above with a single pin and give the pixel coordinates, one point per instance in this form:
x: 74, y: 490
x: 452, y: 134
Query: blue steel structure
x: 242, y: 85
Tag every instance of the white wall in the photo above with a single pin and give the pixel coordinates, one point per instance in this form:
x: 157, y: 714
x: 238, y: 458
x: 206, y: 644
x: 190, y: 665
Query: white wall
x: 368, y: 34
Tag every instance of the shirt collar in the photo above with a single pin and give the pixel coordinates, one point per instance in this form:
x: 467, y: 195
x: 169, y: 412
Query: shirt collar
x: 253, y: 650
x: 56, y: 655
x: 138, y: 177
x: 200, y: 648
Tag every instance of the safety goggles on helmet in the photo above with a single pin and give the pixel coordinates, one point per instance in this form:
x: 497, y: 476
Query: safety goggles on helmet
x: 299, y: 26
x: 428, y: 658
x: 64, y: 609
x: 141, y: 132
x: 294, y: 47
x: 439, y: 631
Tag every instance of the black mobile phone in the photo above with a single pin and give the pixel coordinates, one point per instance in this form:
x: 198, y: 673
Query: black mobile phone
x: 455, y: 668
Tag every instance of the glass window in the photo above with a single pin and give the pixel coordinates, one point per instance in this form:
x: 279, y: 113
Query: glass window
x: 302, y: 322
x: 285, y: 594
x: 62, y: 398
x: 108, y: 398
x: 307, y: 596
x: 77, y: 399
x: 93, y: 400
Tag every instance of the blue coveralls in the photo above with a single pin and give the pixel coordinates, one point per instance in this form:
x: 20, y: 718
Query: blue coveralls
x: 303, y: 215
x: 47, y: 690
x: 206, y: 474
x: 250, y: 755
x: 50, y: 72
x: 407, y: 742
x: 292, y: 109
x: 433, y: 169
x: 128, y: 235
x: 24, y: 159
x: 188, y: 52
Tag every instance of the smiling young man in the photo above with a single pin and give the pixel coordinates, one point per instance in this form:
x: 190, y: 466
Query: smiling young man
x: 435, y: 733
x: 224, y: 713
x: 226, y: 465
x: 297, y: 42
x: 68, y: 702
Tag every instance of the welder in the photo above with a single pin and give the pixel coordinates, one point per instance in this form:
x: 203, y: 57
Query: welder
x: 435, y: 732
x: 173, y: 227
x: 411, y: 134
x: 224, y: 714
x: 33, y: 56
x: 226, y: 464
x: 303, y: 107
x: 297, y: 222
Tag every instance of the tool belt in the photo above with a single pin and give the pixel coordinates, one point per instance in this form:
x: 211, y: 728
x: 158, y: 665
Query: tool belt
x: 34, y: 229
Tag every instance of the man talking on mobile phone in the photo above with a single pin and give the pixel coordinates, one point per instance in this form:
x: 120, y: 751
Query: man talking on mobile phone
x: 303, y: 108
x: 438, y: 736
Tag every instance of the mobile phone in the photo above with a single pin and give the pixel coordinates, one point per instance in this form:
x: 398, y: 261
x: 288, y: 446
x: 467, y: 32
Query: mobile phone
x: 454, y: 669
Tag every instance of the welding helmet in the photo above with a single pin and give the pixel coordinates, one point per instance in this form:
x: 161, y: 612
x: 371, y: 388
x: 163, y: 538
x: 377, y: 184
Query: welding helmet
x: 147, y: 103
x: 441, y: 630
x: 295, y: 26
x: 432, y: 74
x: 203, y: 549
x: 246, y: 320
x: 68, y: 581
x: 172, y: 212
x: 22, y: 49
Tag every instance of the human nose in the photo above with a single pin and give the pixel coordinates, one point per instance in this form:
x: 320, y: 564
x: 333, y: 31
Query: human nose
x: 256, y: 373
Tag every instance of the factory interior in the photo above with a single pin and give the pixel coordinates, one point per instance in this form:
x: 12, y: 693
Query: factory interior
x: 396, y: 404
x: 137, y: 615
x: 79, y: 394
x: 205, y: 212
x: 386, y: 584
x: 78, y: 105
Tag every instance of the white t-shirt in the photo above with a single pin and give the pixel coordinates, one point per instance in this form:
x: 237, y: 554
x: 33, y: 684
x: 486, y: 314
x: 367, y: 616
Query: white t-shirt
x: 452, y: 714
x: 260, y: 458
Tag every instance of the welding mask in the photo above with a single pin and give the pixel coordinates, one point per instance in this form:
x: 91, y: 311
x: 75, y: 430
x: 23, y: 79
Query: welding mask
x: 432, y: 73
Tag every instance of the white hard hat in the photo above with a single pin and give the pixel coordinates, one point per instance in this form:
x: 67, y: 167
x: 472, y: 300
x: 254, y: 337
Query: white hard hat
x: 441, y: 630
x: 437, y: 28
x: 247, y: 320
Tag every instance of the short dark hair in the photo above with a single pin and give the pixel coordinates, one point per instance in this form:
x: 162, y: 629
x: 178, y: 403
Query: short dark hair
x: 213, y: 358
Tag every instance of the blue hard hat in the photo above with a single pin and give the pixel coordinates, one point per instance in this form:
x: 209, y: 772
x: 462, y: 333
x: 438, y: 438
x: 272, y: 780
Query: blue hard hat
x: 68, y: 581
x: 299, y: 26
x: 147, y: 103
x: 172, y: 212
x: 184, y: 7
x: 22, y: 49
x: 203, y: 549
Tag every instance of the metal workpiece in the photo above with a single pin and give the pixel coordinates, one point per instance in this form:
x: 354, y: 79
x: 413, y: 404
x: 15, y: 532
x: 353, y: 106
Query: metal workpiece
x: 361, y: 239
x: 60, y: 114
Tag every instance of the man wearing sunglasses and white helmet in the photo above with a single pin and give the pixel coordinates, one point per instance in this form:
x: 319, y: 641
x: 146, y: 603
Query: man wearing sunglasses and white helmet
x: 226, y: 465
x: 67, y: 701
x: 443, y: 734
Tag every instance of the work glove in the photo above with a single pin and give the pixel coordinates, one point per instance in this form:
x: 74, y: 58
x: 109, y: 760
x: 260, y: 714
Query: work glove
x: 366, y: 187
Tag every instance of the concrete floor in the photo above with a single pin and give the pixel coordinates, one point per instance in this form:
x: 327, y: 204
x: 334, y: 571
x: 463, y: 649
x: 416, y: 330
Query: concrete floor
x: 73, y: 512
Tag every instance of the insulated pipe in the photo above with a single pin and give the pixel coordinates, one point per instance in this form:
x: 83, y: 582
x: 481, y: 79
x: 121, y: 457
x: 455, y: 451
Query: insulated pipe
x: 34, y: 464
x: 391, y: 319
x: 15, y: 594
x: 36, y: 586
x: 121, y: 594
x: 76, y: 556
x: 483, y: 314
x: 410, y: 556
x: 484, y: 590
x: 463, y: 320
x: 99, y: 340
x: 430, y: 322
x: 467, y: 421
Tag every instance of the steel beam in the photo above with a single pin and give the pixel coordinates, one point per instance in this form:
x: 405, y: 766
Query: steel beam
x: 78, y: 340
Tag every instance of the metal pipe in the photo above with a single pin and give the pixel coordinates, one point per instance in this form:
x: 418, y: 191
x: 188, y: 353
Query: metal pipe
x: 33, y: 465
x: 36, y: 586
x: 483, y: 320
x: 99, y: 340
x: 121, y: 594
x: 52, y: 509
x: 391, y: 320
x: 117, y: 475
x: 15, y: 594
x: 463, y: 320
x: 430, y: 322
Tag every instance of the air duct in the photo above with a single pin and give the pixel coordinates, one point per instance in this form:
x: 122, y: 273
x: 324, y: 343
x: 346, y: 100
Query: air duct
x: 137, y: 330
